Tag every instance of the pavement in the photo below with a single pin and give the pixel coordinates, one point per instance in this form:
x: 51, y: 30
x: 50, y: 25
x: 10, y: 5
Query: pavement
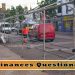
x: 64, y: 33
x: 22, y: 72
x: 6, y: 54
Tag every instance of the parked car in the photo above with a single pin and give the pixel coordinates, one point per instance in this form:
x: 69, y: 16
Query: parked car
x: 38, y: 31
x: 19, y: 29
x: 5, y: 27
x: 13, y: 29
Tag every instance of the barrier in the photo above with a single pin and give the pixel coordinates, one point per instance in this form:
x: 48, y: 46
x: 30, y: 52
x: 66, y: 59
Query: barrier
x: 29, y: 41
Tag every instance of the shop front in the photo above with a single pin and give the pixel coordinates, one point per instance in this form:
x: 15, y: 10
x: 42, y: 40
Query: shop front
x: 68, y: 23
x: 61, y: 24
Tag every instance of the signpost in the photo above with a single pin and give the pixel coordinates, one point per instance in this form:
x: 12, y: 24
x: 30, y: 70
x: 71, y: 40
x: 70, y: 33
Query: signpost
x: 44, y: 34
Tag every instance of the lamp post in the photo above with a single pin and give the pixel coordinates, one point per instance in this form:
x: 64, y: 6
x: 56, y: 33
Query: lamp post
x: 44, y: 34
x: 49, y: 1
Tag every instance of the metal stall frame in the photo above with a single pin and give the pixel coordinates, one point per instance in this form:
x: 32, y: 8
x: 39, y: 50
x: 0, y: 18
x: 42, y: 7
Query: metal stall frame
x: 54, y: 5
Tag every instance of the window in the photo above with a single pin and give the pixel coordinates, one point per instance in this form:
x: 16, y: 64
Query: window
x: 59, y: 9
x: 59, y: 1
x: 5, y: 25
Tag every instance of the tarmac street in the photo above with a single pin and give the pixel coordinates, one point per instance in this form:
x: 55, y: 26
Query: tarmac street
x: 52, y: 17
x: 34, y: 49
x: 14, y: 51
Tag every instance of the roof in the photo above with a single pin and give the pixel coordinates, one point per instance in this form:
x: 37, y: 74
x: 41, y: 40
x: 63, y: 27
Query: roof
x: 4, y: 23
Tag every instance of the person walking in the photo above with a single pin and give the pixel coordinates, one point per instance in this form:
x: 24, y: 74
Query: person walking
x: 25, y: 32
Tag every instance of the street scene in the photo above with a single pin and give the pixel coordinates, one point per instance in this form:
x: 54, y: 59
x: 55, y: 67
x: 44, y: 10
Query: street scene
x: 33, y: 49
x: 42, y: 32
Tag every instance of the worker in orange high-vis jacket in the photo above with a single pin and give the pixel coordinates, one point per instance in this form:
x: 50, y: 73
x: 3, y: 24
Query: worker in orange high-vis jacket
x: 25, y: 32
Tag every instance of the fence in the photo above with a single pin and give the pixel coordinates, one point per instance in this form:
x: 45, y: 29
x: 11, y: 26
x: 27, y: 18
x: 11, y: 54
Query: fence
x: 63, y: 41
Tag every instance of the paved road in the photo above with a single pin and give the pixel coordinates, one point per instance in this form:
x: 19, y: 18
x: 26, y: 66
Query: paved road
x: 63, y: 41
x: 36, y: 52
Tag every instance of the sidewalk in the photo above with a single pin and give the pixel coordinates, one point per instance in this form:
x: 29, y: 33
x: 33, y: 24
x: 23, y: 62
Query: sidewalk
x: 64, y: 33
x: 6, y: 54
x: 20, y: 72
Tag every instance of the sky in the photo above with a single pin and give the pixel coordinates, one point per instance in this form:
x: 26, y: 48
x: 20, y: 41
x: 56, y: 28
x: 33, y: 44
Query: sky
x: 28, y: 3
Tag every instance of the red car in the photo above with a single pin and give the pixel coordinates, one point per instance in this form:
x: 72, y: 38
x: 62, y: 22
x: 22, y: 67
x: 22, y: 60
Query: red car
x: 38, y: 31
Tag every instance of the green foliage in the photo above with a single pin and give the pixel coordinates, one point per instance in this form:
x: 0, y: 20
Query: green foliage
x: 20, y: 9
x: 21, y: 18
x: 42, y: 3
x: 12, y: 11
x: 7, y: 13
x: 16, y: 11
x: 50, y: 12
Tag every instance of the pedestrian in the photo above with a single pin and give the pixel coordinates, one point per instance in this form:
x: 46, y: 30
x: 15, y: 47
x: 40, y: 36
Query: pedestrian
x: 25, y: 32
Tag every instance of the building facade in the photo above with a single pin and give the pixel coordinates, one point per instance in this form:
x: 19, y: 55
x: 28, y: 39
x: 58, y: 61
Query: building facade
x: 65, y: 14
x: 65, y: 9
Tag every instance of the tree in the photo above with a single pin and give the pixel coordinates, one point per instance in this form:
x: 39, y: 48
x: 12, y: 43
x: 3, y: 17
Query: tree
x: 41, y: 4
x: 50, y: 12
x: 7, y: 13
x: 12, y: 11
x: 25, y: 9
x: 20, y: 10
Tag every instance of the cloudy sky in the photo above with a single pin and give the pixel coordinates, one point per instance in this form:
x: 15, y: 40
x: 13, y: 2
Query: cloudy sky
x: 28, y: 3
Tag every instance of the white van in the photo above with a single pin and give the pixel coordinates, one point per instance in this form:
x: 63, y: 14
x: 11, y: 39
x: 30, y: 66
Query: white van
x: 5, y: 27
